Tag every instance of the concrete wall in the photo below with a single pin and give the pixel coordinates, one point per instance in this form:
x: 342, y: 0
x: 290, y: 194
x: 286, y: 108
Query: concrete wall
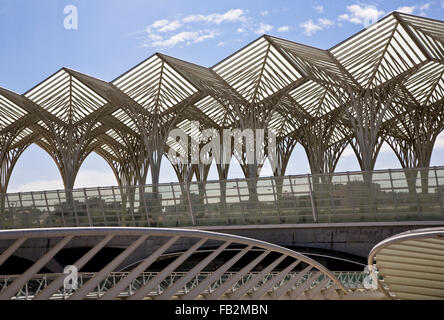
x: 349, y: 238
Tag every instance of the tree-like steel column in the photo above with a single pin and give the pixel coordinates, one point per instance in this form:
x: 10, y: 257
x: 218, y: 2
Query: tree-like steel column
x: 130, y: 168
x: 253, y: 120
x: 163, y: 95
x: 413, y: 136
x: 70, y: 114
x: 8, y: 158
x: 366, y: 110
x: 279, y: 161
x: 15, y: 137
x: 261, y: 76
x: 69, y: 147
x: 322, y: 143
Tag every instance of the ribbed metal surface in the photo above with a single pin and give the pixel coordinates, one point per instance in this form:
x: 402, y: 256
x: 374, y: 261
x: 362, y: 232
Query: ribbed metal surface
x: 412, y: 264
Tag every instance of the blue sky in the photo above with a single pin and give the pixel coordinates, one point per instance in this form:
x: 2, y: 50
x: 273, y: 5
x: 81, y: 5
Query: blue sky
x: 114, y: 35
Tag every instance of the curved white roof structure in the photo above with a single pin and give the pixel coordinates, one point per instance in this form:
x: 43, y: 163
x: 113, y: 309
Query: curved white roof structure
x: 411, y: 264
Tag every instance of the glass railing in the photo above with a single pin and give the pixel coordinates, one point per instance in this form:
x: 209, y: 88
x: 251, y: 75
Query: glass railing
x: 385, y: 195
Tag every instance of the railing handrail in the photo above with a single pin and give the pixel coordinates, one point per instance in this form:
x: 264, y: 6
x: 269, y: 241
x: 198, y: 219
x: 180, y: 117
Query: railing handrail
x: 173, y: 274
x: 383, y: 195
x: 298, y: 176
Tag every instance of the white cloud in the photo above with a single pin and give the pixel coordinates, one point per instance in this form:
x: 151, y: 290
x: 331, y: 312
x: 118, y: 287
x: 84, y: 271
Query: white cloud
x: 439, y: 143
x: 283, y: 29
x: 173, y: 25
x: 154, y: 37
x: 166, y: 33
x: 348, y: 151
x: 240, y: 30
x: 164, y: 25
x: 319, y: 9
x: 264, y: 28
x: 410, y: 10
x: 232, y: 15
x: 364, y: 15
x: 406, y: 9
x: 266, y: 170
x: 205, y: 36
x: 264, y: 13
x: 160, y: 23
x: 188, y: 37
x: 425, y: 6
x: 85, y: 179
x: 385, y: 148
x: 325, y: 22
x: 310, y: 27
x: 91, y: 178
x: 40, y: 185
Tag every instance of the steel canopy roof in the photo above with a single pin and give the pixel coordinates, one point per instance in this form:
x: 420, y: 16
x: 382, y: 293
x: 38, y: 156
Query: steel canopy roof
x: 300, y: 81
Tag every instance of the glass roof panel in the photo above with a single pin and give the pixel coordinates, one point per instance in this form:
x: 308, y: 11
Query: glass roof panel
x: 428, y: 32
x: 280, y: 126
x: 214, y: 110
x: 379, y: 53
x: 155, y: 85
x: 311, y: 61
x: 257, y: 71
x: 66, y: 97
x: 427, y: 84
x: 122, y: 116
x: 314, y: 98
x: 22, y: 135
x: 10, y: 112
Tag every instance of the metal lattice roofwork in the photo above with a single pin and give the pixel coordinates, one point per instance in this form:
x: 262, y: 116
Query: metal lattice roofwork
x: 370, y: 88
